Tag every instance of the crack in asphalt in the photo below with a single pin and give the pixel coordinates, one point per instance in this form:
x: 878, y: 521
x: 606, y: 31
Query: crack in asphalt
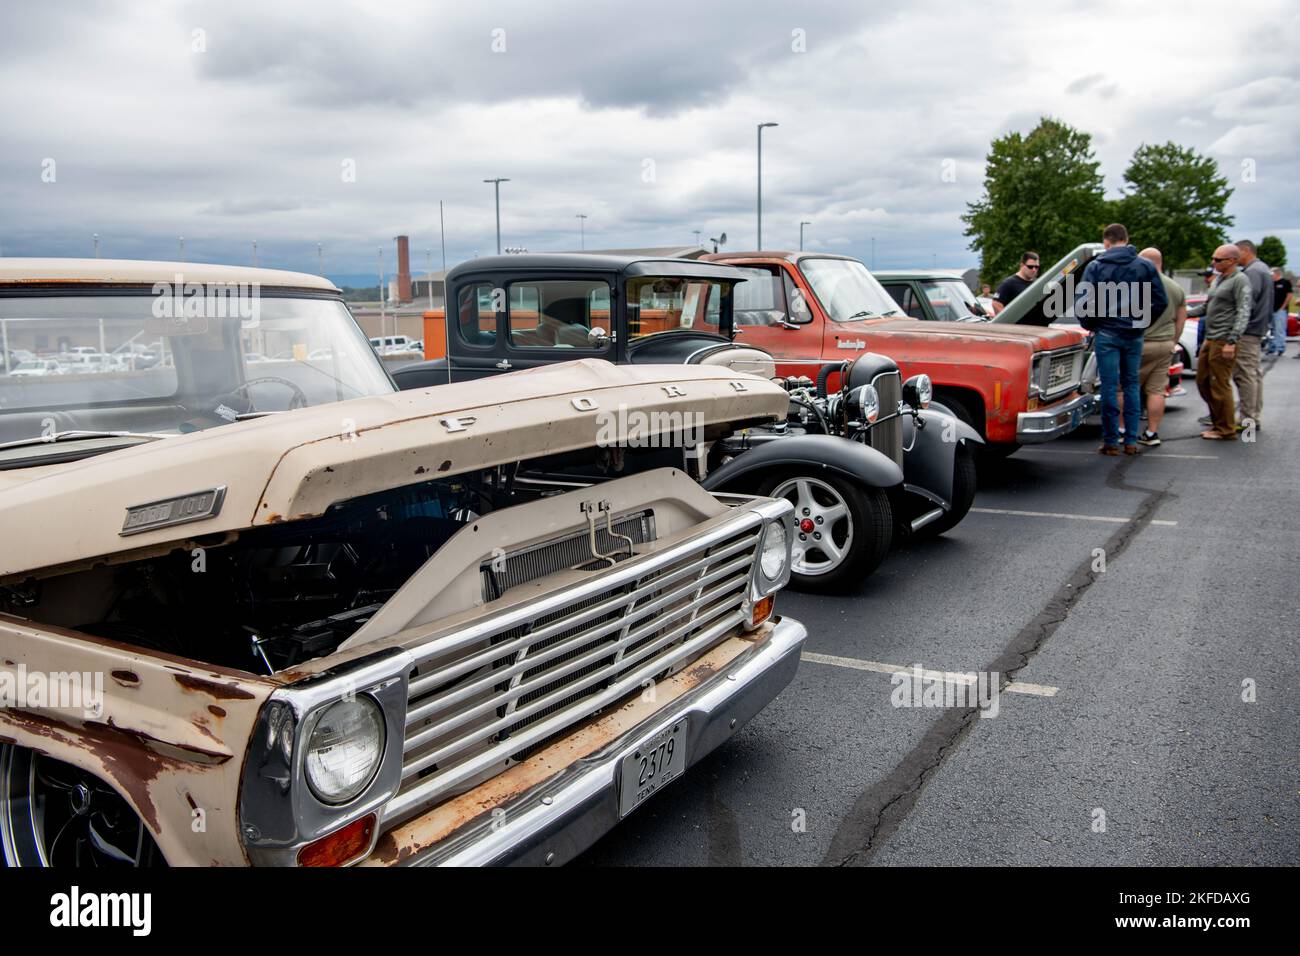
x: 881, y: 809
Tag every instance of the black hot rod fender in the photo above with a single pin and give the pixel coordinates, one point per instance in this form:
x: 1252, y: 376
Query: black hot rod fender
x: 929, y: 453
x: 853, y: 460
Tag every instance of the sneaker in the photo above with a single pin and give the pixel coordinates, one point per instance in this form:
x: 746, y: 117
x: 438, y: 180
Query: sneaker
x: 1205, y: 420
x: 1151, y: 439
x: 1179, y: 391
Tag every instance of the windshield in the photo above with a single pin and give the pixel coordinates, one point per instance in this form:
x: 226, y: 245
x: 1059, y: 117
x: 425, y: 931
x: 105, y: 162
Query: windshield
x: 673, y: 303
x: 953, y: 301
x: 847, y: 290
x: 160, y: 364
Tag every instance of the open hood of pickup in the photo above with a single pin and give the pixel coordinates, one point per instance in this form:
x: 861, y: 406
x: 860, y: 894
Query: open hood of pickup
x: 1037, y: 337
x: 297, y: 464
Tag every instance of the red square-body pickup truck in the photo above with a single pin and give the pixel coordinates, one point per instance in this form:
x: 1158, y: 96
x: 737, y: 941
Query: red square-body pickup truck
x: 1014, y: 383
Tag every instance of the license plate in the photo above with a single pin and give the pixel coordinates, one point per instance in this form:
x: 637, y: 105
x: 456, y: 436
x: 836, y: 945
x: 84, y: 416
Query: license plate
x: 655, y: 763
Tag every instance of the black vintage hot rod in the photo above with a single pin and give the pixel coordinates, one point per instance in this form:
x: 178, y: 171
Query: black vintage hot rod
x: 865, y: 466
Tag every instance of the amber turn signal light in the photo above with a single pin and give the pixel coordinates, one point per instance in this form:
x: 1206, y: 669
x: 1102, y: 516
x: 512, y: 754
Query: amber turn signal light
x: 341, y: 847
x: 762, y: 610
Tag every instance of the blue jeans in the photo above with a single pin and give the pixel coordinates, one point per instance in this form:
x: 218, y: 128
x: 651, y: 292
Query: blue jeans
x: 1118, y: 361
x: 1278, y: 344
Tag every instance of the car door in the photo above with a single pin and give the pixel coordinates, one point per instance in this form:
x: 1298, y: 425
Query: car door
x: 551, y: 319
x: 769, y: 312
x: 475, y: 344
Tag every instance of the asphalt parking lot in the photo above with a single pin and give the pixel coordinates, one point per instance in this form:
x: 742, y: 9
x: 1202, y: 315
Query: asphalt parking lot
x: 1124, y: 738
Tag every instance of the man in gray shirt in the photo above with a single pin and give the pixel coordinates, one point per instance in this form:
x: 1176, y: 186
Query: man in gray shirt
x: 1226, y: 312
x: 1246, y: 374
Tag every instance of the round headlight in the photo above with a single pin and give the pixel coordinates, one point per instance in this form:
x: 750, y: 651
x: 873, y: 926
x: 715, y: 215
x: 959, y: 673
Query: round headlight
x: 867, y: 402
x: 924, y: 390
x: 345, y: 749
x: 775, y: 550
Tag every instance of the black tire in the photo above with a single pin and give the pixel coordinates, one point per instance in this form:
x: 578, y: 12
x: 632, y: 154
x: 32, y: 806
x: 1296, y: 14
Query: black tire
x: 862, y: 534
x: 964, y: 481
x: 55, y: 815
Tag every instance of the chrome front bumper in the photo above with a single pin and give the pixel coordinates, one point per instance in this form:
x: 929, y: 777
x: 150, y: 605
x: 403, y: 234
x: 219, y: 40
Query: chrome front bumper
x: 1053, y: 421
x: 558, y: 820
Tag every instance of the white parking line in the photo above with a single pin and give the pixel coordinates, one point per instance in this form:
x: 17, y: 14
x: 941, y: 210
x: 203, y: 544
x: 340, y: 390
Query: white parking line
x: 1146, y: 454
x: 947, y: 677
x: 1062, y: 514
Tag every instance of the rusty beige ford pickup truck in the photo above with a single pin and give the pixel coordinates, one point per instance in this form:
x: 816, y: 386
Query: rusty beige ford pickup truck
x: 257, y: 607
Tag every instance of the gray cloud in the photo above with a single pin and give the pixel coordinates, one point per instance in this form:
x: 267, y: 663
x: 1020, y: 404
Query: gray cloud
x: 250, y: 138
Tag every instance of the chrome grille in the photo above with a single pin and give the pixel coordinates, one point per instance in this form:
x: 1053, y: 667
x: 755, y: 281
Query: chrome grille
x: 485, y: 698
x: 1061, y: 372
x: 887, y: 437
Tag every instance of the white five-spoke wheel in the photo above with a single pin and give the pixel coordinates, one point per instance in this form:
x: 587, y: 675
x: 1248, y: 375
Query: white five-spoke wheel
x: 842, y: 528
x: 823, y: 525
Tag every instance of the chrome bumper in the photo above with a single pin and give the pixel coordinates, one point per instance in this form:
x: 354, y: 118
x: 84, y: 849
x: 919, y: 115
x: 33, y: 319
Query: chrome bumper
x: 1053, y: 421
x: 561, y: 818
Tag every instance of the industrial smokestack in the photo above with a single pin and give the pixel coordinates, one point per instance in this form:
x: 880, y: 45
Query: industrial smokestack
x: 403, y: 269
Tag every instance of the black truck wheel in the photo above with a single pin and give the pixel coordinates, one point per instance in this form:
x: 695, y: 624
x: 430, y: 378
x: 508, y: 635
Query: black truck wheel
x: 843, y: 530
x: 964, y: 481
x: 55, y: 815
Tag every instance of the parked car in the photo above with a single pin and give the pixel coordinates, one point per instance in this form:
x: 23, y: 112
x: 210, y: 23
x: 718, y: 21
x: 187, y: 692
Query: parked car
x: 387, y: 344
x: 362, y: 626
x: 36, y: 368
x: 937, y: 295
x: 1013, y: 384
x: 906, y: 469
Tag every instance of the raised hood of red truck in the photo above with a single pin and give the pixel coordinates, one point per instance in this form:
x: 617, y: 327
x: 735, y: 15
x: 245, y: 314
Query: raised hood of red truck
x: 1041, y: 337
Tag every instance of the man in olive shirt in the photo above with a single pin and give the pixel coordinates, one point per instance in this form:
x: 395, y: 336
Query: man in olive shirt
x: 1158, y: 347
x: 1226, y: 312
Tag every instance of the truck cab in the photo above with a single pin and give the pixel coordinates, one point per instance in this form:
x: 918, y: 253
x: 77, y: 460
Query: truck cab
x: 1014, y: 384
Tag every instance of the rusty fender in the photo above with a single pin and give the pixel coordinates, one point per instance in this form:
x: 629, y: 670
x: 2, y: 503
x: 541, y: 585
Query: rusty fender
x: 169, y: 736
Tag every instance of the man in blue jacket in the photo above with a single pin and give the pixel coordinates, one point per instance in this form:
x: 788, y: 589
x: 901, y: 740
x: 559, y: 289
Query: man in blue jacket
x: 1116, y: 299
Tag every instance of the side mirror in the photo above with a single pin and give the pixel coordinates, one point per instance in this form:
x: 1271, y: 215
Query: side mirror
x: 918, y: 391
x: 597, y: 338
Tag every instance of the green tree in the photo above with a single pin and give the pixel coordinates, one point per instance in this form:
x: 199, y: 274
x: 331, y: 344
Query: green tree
x: 1175, y: 200
x: 1042, y: 191
x: 1272, y: 251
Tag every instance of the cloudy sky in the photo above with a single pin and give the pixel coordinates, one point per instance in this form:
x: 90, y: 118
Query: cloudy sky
x: 293, y: 123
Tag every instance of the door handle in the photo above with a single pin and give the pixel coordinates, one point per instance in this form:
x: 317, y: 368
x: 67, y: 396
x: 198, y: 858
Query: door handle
x: 504, y: 365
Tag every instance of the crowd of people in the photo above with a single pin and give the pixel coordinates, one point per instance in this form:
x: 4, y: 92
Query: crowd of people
x: 1137, y: 313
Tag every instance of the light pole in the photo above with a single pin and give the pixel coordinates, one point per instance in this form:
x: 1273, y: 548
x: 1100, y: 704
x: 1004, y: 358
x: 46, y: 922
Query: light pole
x: 496, y: 186
x: 761, y: 126
x: 382, y: 314
x: 801, y: 225
x: 320, y: 259
x: 697, y: 235
x: 582, y: 230
x: 96, y: 238
x: 181, y: 240
x: 428, y: 268
x: 255, y: 253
